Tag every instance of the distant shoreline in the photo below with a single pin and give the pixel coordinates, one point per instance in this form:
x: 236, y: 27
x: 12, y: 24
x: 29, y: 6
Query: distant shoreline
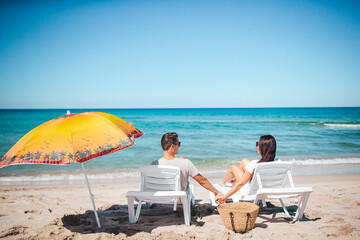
x: 177, y: 108
x: 107, y: 176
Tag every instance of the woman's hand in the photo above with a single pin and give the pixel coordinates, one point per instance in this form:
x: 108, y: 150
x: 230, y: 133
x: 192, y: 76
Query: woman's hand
x: 220, y: 199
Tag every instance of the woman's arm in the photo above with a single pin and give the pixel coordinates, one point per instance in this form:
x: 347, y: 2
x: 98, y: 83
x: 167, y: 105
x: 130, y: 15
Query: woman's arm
x: 244, y: 179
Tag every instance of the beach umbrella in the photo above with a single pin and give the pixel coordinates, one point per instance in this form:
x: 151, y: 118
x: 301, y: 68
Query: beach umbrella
x: 76, y: 137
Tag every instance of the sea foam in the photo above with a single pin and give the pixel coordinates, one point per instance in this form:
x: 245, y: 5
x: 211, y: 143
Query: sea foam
x: 338, y: 125
x: 326, y: 161
x: 66, y: 178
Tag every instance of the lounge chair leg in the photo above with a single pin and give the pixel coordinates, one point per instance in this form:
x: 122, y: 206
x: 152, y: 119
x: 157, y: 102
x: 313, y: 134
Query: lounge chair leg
x: 189, y: 207
x: 138, y: 209
x: 192, y: 195
x: 284, y: 207
x: 186, y: 206
x: 212, y: 199
x: 301, y: 207
x: 131, y: 211
x: 263, y: 200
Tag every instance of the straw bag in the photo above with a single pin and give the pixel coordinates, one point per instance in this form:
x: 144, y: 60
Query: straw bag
x: 239, y: 216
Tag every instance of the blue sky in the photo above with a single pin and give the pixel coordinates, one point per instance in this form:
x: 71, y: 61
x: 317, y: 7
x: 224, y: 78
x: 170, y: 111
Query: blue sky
x: 150, y: 54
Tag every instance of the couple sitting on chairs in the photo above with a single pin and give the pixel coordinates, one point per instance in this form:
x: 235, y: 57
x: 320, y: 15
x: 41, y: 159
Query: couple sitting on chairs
x: 246, y: 182
x: 238, y: 175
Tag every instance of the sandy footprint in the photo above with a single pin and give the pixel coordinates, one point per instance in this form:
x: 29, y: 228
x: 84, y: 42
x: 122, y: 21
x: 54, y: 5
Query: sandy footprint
x: 336, y: 220
x: 33, y: 211
x: 13, y: 231
x: 336, y: 231
x: 346, y: 229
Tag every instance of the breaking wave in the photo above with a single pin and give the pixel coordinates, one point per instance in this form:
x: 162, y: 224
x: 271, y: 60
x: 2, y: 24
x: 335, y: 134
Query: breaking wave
x: 341, y: 125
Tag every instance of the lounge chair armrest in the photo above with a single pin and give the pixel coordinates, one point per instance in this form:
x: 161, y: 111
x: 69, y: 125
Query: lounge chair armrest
x: 286, y: 191
x: 302, y: 192
x: 157, y: 194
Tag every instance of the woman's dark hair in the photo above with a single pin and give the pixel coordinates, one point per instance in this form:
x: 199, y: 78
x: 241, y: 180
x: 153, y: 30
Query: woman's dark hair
x: 267, y: 148
x: 168, y: 139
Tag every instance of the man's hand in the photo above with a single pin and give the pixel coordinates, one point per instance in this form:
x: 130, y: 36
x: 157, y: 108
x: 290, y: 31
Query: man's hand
x: 218, y: 195
x: 220, y: 198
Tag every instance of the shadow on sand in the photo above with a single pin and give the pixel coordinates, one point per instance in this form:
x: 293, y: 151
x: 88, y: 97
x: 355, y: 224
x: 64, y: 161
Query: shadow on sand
x: 114, y: 220
x: 273, y: 210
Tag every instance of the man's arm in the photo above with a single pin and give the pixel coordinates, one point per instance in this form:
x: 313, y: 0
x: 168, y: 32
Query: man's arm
x: 206, y: 184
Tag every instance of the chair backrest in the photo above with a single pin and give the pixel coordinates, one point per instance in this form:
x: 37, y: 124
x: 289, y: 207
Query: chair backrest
x: 160, y: 178
x: 271, y: 175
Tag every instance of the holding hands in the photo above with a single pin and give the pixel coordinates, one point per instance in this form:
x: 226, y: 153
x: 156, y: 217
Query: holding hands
x: 220, y: 198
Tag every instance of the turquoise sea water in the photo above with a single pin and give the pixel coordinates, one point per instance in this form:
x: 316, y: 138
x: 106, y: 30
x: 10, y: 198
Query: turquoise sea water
x: 211, y: 138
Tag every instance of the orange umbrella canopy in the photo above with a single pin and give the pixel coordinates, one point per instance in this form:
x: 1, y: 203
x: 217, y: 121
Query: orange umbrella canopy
x: 73, y: 137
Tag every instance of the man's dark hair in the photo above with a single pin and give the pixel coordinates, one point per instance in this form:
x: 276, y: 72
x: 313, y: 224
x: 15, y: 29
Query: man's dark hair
x: 168, y: 139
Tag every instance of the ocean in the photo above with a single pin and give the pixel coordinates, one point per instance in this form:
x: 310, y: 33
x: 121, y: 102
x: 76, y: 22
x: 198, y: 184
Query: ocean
x: 316, y: 140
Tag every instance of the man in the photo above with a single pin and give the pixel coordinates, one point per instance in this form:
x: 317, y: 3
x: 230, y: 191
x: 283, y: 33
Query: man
x: 170, y: 144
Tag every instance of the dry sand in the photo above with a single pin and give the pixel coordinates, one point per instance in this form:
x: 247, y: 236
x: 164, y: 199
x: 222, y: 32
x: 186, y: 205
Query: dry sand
x: 64, y: 212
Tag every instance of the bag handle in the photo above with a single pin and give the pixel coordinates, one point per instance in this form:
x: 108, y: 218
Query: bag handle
x: 233, y: 225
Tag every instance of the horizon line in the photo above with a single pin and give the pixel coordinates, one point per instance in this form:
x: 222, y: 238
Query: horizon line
x: 149, y: 108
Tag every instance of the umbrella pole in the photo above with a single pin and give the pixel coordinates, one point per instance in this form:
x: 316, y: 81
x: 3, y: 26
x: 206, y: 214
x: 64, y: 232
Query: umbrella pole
x: 91, y: 197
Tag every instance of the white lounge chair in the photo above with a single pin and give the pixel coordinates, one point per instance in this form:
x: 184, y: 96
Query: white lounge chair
x: 160, y: 184
x: 268, y: 182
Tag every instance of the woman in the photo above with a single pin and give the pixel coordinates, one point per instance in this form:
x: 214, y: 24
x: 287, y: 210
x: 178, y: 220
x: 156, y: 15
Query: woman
x: 240, y: 175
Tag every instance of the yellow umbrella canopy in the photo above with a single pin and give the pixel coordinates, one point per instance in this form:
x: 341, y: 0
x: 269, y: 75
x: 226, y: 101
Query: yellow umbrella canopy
x: 73, y: 137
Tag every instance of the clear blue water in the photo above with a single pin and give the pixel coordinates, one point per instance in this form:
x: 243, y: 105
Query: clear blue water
x: 209, y: 137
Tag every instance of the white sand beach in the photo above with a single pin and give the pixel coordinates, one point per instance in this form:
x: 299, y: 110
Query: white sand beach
x: 65, y: 212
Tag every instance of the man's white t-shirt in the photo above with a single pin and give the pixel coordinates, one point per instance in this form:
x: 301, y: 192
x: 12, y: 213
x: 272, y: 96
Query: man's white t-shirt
x: 187, y: 169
